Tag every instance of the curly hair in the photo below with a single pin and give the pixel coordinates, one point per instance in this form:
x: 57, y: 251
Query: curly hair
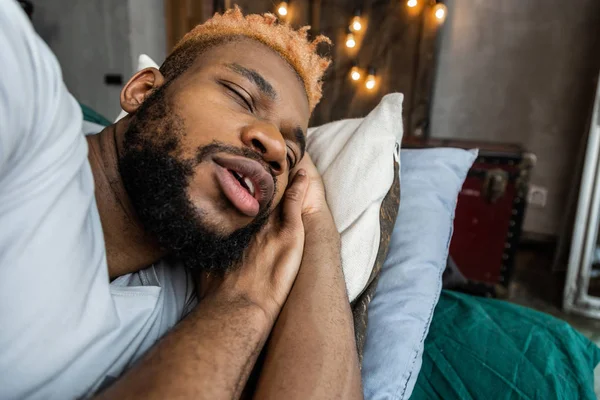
x: 292, y: 45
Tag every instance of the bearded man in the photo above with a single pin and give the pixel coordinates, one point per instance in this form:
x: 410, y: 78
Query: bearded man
x: 158, y: 258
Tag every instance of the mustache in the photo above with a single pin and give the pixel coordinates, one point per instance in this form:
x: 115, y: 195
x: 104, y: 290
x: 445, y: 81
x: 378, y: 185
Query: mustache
x: 206, y: 151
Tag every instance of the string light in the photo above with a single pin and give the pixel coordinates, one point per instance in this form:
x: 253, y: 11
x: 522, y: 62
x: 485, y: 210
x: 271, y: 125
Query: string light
x: 355, y: 73
x: 440, y: 11
x: 371, y: 81
x: 412, y: 3
x: 282, y: 9
x: 350, y: 41
x: 356, y: 23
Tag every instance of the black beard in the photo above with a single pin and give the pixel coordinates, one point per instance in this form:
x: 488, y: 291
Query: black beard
x: 157, y: 181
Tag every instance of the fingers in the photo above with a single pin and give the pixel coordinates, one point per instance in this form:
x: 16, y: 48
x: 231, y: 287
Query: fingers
x: 293, y: 199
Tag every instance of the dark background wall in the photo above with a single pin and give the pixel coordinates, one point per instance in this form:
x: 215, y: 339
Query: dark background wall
x: 521, y: 71
x: 93, y: 38
x: 393, y: 40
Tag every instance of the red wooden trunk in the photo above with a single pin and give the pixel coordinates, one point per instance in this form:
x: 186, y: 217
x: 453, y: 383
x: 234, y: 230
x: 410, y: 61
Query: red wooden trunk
x: 490, y: 209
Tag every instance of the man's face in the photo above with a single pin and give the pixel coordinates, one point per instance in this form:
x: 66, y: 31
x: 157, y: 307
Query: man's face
x: 207, y: 158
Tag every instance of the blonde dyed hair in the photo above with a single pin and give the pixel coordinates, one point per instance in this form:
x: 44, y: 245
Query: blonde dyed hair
x: 292, y: 45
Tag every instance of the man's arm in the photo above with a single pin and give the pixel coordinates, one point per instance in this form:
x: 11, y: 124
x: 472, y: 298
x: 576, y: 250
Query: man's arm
x: 210, y: 354
x: 207, y: 356
x: 312, y: 350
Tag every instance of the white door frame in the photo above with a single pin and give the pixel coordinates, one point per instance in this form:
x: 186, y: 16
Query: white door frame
x: 585, y: 232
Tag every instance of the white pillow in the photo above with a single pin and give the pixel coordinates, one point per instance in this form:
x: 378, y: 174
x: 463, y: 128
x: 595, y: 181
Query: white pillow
x: 356, y: 160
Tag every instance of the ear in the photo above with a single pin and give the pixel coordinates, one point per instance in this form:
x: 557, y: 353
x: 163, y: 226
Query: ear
x: 139, y: 87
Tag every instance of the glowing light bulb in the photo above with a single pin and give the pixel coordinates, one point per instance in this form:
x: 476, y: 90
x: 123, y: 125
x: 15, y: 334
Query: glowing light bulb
x: 370, y: 82
x: 412, y: 3
x: 282, y: 9
x: 355, y: 73
x: 350, y: 41
x: 440, y: 11
x: 355, y: 24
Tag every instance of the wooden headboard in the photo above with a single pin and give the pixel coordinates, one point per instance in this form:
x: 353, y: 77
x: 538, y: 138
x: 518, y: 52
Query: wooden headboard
x: 397, y: 40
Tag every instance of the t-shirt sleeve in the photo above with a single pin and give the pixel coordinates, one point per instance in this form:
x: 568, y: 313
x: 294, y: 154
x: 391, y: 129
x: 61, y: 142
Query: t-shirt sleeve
x: 55, y: 300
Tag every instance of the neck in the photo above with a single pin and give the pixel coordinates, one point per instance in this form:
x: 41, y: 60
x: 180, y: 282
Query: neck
x: 128, y: 247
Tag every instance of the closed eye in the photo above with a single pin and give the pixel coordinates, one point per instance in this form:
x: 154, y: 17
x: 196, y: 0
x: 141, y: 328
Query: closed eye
x: 291, y: 160
x: 240, y: 98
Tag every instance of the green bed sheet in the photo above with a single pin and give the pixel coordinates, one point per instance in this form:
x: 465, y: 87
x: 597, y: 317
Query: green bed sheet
x: 481, y: 348
x: 91, y: 115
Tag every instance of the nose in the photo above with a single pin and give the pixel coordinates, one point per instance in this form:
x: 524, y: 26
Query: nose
x: 265, y: 138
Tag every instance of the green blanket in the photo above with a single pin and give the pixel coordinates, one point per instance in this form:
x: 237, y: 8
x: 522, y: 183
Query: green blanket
x: 489, y: 349
x: 92, y: 116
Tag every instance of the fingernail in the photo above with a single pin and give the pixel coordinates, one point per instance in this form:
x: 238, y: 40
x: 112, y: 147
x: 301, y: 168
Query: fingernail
x: 302, y: 172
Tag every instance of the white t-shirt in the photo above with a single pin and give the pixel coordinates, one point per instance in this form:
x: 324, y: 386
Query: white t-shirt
x: 64, y: 330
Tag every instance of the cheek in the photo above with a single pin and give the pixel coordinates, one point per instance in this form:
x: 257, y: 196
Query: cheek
x: 207, y: 121
x: 200, y: 132
x: 202, y: 189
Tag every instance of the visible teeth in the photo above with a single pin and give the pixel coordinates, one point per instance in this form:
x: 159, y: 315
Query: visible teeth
x: 250, y: 185
x: 247, y: 182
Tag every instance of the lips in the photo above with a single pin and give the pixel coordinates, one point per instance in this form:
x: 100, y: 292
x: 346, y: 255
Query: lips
x: 245, y: 183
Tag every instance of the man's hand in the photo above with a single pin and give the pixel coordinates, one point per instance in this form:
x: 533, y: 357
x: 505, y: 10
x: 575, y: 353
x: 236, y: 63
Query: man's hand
x: 210, y: 354
x: 316, y: 214
x: 271, y: 263
x: 314, y: 201
x: 312, y: 350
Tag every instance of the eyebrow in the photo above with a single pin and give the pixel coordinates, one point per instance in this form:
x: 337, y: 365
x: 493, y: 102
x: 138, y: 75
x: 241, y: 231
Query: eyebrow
x: 261, y: 83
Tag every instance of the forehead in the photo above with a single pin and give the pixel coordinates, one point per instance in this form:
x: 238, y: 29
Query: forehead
x: 255, y: 56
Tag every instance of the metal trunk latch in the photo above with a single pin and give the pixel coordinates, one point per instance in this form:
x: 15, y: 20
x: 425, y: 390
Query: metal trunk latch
x: 494, y: 184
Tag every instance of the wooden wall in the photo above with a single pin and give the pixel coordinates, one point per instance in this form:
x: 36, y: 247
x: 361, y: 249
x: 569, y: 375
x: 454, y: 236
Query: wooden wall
x: 396, y: 40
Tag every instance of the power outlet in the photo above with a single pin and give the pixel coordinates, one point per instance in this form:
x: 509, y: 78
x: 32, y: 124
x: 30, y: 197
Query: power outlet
x: 537, y: 196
